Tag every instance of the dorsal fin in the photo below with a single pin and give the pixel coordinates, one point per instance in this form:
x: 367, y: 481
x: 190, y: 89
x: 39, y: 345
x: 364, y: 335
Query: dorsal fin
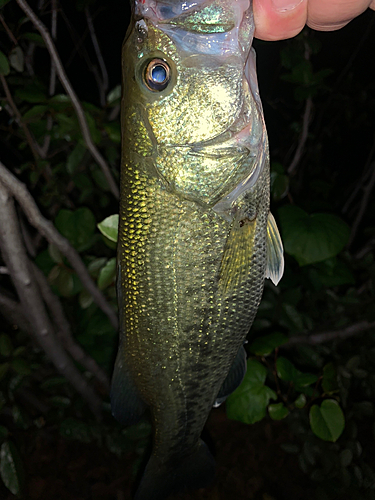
x: 275, y: 252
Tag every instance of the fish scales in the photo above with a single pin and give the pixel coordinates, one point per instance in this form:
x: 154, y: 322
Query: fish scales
x: 193, y: 250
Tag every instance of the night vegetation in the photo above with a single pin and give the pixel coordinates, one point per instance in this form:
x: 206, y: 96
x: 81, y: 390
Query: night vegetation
x: 309, y: 393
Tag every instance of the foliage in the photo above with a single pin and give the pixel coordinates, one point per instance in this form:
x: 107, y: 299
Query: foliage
x: 324, y: 392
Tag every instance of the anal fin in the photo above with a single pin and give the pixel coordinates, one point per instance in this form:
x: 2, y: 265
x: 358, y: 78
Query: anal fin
x: 275, y: 252
x: 234, y: 378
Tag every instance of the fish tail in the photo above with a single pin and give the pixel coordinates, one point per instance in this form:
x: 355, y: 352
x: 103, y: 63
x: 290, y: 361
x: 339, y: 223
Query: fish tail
x: 193, y: 471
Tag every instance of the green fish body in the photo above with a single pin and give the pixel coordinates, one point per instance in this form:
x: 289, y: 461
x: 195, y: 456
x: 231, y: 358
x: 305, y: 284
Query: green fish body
x: 196, y: 239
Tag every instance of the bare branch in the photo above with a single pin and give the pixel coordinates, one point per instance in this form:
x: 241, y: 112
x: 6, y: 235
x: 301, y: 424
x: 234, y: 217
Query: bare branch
x: 47, y: 229
x: 303, y: 137
x: 9, y: 32
x: 71, y: 93
x: 364, y: 202
x: 103, y: 87
x: 365, y: 249
x: 320, y: 338
x: 63, y: 329
x: 52, y: 80
x: 16, y: 259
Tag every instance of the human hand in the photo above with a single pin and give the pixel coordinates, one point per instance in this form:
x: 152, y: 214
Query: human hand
x: 280, y: 19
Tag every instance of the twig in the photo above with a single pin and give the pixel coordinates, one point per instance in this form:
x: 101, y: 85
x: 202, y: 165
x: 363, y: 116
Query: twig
x: 9, y: 32
x: 79, y: 48
x: 364, y: 202
x: 103, y: 87
x: 16, y: 259
x: 32, y: 144
x: 63, y: 329
x: 303, y: 137
x: 47, y: 229
x: 29, y: 58
x: 320, y: 338
x: 52, y: 80
x: 364, y: 250
x: 71, y: 93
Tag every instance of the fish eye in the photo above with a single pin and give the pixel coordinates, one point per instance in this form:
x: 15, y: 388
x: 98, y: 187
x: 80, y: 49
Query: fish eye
x: 157, y: 75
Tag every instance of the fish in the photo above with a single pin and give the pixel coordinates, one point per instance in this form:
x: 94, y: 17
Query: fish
x: 196, y: 236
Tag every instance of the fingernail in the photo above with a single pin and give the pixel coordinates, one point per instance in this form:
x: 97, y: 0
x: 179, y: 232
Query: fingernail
x: 285, y: 5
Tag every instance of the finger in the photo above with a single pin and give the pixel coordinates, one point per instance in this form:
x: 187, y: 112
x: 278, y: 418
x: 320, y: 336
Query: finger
x: 334, y: 14
x: 279, y: 19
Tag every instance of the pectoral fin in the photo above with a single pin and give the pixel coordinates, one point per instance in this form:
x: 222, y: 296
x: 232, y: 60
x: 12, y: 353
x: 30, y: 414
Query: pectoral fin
x: 234, y: 378
x: 275, y: 252
x: 127, y: 405
x: 238, y: 252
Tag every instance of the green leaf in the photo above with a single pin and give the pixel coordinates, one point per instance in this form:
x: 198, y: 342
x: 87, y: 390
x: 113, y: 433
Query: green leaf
x: 99, y: 178
x: 95, y: 134
x: 60, y: 401
x: 329, y: 381
x: 3, y: 2
x: 109, y: 227
x: 35, y: 112
x: 19, y: 351
x: 21, y: 366
x: 249, y: 401
x: 34, y: 37
x: 95, y: 266
x: 11, y: 468
x: 55, y: 254
x: 77, y: 226
x: 263, y: 346
x: 3, y: 432
x: 75, y: 158
x: 278, y: 411
x: 16, y: 59
x: 107, y: 274
x: 346, y: 457
x: 113, y: 130
x: 312, y: 238
x: 279, y: 185
x: 305, y: 379
x: 300, y: 401
x: 31, y: 93
x: 332, y: 272
x: 4, y: 64
x: 114, y: 94
x: 4, y: 367
x: 6, y: 347
x: 85, y: 299
x: 327, y: 421
x: 286, y: 370
x: 62, y: 279
x: 72, y: 428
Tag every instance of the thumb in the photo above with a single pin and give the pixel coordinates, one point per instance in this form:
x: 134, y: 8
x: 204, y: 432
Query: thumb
x: 279, y: 19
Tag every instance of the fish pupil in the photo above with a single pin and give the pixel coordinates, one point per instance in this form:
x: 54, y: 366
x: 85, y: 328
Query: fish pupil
x: 157, y: 75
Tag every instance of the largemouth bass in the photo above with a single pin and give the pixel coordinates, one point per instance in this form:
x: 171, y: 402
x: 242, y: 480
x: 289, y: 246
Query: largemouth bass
x: 196, y: 238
